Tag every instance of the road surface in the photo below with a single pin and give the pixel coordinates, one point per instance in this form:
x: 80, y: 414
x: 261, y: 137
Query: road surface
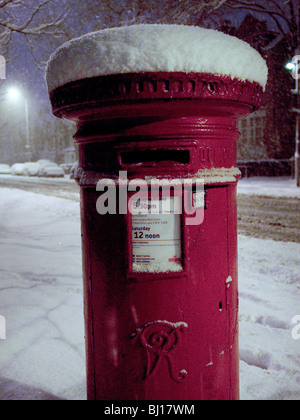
x: 269, y: 217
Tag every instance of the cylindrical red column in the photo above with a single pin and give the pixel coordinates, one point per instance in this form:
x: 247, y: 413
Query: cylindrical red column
x: 160, y: 326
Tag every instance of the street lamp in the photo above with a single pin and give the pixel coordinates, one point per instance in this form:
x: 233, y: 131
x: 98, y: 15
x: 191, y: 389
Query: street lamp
x: 293, y: 67
x: 290, y: 66
x: 14, y: 94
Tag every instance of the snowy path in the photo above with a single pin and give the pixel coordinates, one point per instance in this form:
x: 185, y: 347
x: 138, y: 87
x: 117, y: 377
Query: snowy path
x: 269, y: 278
x: 41, y: 299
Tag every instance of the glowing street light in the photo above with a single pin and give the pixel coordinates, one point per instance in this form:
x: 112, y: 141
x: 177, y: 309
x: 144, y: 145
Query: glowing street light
x: 15, y: 95
x: 290, y: 66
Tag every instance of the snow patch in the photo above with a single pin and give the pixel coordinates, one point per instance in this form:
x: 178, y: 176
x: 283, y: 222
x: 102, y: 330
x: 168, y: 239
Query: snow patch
x: 155, y: 48
x: 171, y: 267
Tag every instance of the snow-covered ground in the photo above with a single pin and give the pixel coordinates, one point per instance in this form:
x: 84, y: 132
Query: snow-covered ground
x: 269, y: 186
x: 41, y: 299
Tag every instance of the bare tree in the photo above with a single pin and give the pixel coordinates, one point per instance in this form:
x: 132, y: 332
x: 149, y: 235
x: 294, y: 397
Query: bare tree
x: 284, y: 14
x: 33, y: 18
x: 127, y: 12
x: 193, y: 11
x: 286, y: 17
x: 42, y: 22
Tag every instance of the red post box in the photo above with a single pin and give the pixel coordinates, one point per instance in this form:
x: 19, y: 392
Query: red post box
x: 160, y: 292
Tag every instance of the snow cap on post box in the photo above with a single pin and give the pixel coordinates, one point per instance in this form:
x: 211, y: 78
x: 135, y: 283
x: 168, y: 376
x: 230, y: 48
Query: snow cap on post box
x: 155, y: 48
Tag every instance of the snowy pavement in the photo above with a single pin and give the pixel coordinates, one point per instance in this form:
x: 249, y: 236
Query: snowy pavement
x: 41, y: 297
x: 41, y: 300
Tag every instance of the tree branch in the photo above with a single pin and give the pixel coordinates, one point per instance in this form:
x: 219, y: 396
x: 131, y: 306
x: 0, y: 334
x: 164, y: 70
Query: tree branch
x: 36, y: 22
x: 254, y: 7
x: 26, y: 28
x: 279, y: 15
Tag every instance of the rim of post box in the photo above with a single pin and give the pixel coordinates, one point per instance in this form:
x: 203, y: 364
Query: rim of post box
x: 77, y: 100
x: 122, y: 101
